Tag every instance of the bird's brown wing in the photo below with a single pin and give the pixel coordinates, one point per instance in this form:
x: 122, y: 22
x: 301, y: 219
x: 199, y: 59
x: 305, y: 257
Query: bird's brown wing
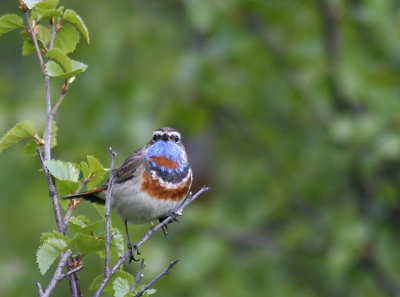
x: 128, y: 169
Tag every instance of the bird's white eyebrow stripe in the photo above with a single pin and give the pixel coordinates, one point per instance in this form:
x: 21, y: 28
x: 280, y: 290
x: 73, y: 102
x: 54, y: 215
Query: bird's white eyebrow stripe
x: 175, y: 133
x: 160, y: 132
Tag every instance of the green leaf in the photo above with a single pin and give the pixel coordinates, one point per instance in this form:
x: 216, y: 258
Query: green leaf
x: 62, y: 170
x: 87, y: 243
x: 17, y: 133
x: 66, y: 187
x: 81, y: 224
x: 30, y: 147
x: 72, y: 17
x: 53, y: 69
x: 48, y: 252
x: 48, y: 14
x: 46, y: 5
x: 43, y: 35
x: 67, y: 38
x: 109, y: 287
x: 61, y: 58
x: 94, y: 169
x: 47, y: 9
x: 9, y: 22
x: 100, y: 209
x: 118, y: 241
x: 55, y: 234
x: 77, y: 67
x: 28, y: 48
x: 120, y: 286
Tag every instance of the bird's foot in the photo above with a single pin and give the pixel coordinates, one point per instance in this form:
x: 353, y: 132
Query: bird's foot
x: 132, y: 250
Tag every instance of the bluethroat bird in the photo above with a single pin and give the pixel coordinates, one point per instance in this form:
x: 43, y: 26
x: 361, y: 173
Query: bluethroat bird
x: 151, y: 183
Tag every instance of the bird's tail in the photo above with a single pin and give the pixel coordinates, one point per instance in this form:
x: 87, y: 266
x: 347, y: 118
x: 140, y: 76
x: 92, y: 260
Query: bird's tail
x: 92, y: 196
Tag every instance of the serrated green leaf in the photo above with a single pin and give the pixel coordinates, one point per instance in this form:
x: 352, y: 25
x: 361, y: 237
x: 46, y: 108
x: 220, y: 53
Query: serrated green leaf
x: 66, y: 187
x: 53, y: 69
x: 48, y: 252
x: 48, y: 14
x: 120, y: 286
x: 118, y: 241
x: 9, y: 22
x: 72, y: 17
x: 46, y: 9
x: 62, y: 170
x: 27, y: 48
x: 30, y: 147
x: 94, y: 169
x: 109, y: 287
x: 55, y: 234
x: 81, y: 224
x: 17, y: 133
x: 87, y: 243
x: 67, y: 38
x: 77, y: 68
x: 61, y: 58
x: 45, y: 5
x: 43, y: 35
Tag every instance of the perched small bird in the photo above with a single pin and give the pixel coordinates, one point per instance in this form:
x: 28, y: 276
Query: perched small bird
x: 151, y: 183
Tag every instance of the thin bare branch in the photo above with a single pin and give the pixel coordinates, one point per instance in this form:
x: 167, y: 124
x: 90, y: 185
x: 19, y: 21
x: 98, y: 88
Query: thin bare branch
x: 72, y: 203
x: 139, y: 274
x: 35, y: 42
x: 157, y: 278
x: 107, y: 213
x: 53, y: 33
x: 53, y: 192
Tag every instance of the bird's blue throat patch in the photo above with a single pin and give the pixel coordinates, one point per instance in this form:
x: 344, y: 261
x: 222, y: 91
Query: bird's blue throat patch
x: 171, y: 151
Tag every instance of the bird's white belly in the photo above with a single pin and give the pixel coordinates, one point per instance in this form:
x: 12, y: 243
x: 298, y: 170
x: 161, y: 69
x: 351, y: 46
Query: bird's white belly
x: 137, y: 206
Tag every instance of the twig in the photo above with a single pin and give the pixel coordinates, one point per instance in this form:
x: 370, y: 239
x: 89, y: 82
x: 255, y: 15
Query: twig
x: 107, y: 213
x: 52, y: 192
x: 156, y: 279
x: 35, y: 43
x: 64, y: 91
x: 58, y: 275
x: 53, y: 33
x: 72, y: 204
x: 152, y: 230
x: 139, y: 275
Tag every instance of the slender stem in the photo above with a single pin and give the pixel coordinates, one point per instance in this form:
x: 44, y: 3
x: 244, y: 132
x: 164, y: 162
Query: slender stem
x: 107, y: 213
x: 72, y: 205
x: 35, y: 43
x: 50, y: 117
x: 125, y: 256
x: 53, y: 33
x: 156, y: 279
x: 53, y: 193
x: 139, y: 274
x: 64, y: 91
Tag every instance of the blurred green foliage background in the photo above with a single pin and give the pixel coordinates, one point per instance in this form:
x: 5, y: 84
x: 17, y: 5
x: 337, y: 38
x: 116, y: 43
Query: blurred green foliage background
x: 290, y: 111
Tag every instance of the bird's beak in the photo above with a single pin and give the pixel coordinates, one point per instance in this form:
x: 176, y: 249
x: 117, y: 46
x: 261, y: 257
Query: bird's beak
x: 165, y: 137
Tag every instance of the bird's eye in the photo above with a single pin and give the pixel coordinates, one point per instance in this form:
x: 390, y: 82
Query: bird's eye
x: 155, y: 137
x: 176, y: 138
